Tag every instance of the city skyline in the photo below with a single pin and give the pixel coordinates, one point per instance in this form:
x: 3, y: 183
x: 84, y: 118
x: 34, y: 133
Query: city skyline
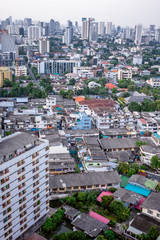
x: 118, y: 12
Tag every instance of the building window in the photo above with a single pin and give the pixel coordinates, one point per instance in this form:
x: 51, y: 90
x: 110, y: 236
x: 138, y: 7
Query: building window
x: 150, y: 212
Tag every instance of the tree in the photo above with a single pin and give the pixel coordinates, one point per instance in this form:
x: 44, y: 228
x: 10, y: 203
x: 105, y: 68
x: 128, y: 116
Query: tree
x: 153, y: 233
x: 131, y: 172
x: 71, y: 201
x: 7, y: 83
x: 117, y: 207
x: 81, y: 196
x: 140, y: 143
x: 77, y: 169
x: 106, y: 201
x: 114, y: 90
x: 155, y: 162
x: 112, y: 189
x: 123, y: 215
x: 109, y: 235
x: 122, y: 168
x: 133, y: 106
x: 126, y: 94
x: 72, y: 81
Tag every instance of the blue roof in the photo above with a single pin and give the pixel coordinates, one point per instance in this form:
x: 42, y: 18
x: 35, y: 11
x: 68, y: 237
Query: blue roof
x: 137, y: 189
x: 156, y: 135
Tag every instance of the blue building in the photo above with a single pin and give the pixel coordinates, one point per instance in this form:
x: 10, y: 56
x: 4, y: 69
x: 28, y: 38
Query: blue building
x: 82, y: 121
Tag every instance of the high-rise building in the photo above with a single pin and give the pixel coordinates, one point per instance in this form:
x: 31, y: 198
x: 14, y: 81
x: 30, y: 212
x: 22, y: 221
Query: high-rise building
x: 43, y: 45
x: 93, y: 31
x: 24, y: 184
x: 152, y: 29
x: 101, y: 28
x: 57, y: 66
x: 34, y: 32
x: 157, y: 37
x: 5, y: 73
x: 138, y: 34
x: 68, y: 35
x: 57, y: 26
x: 51, y: 27
x: 7, y: 43
x: 109, y: 28
x: 85, y: 26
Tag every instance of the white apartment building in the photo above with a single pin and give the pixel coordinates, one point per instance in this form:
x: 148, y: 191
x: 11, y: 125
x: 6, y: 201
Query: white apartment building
x: 137, y: 60
x: 57, y: 66
x: 20, y: 71
x: 50, y: 101
x: 34, y: 32
x: 44, y: 45
x: 138, y: 34
x: 84, y: 72
x: 113, y: 120
x: 24, y: 185
x: 101, y: 28
x: 124, y: 74
x: 154, y: 82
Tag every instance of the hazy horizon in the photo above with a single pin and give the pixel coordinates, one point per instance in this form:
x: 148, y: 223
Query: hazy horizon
x: 120, y: 12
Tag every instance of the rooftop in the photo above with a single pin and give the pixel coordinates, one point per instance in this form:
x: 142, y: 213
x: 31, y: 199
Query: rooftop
x: 89, y: 225
x: 83, y: 179
x: 152, y: 202
x: 17, y: 141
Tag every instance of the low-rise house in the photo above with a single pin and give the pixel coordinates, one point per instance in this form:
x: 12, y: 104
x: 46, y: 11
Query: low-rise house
x: 70, y: 212
x: 154, y: 82
x: 150, y: 149
x: 83, y: 181
x: 127, y: 196
x: 89, y: 225
x: 141, y: 224
x: 151, y: 206
x: 109, y: 145
x: 149, y: 124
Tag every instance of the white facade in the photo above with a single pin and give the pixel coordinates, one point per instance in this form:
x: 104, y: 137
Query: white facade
x: 50, y: 101
x: 24, y: 185
x: 157, y: 37
x: 34, y: 32
x: 43, y: 45
x: 85, y: 26
x: 21, y: 71
x: 124, y: 74
x: 101, y: 28
x: 154, y: 82
x: 137, y: 60
x: 68, y: 36
x: 138, y: 34
x: 109, y: 27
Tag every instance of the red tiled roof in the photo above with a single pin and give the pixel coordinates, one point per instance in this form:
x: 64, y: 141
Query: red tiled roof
x: 108, y: 193
x: 98, y: 217
x: 142, y: 121
x: 110, y: 86
x: 139, y: 204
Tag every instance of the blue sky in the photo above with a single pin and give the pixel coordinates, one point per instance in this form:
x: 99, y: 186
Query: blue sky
x: 120, y: 12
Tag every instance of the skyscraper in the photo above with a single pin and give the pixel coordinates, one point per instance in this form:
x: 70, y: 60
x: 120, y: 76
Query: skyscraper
x: 138, y: 34
x: 34, y: 32
x: 109, y: 28
x: 84, y: 34
x: 51, y: 27
x: 101, y: 28
x: 93, y: 31
x: 43, y: 45
x: 157, y: 37
x: 68, y: 36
